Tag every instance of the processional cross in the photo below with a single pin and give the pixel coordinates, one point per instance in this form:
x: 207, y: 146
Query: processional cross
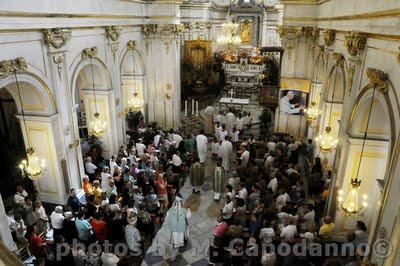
x: 231, y: 92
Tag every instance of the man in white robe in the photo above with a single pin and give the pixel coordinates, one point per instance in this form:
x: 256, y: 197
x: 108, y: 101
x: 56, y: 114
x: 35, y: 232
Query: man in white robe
x: 226, y: 153
x: 230, y: 121
x: 201, y: 142
x: 286, y: 107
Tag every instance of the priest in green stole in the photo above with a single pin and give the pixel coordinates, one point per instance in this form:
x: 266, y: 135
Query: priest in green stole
x: 218, y: 181
x: 197, y: 175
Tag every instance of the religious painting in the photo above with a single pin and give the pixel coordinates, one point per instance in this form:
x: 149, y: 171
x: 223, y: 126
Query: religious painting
x: 198, y: 52
x: 294, y: 94
x: 246, y: 28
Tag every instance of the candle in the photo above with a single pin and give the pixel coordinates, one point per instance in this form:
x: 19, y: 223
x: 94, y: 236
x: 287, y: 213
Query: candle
x: 192, y: 106
x: 197, y: 108
x: 185, y: 108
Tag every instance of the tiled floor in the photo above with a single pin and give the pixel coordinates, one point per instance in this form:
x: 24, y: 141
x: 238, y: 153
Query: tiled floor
x: 200, y: 230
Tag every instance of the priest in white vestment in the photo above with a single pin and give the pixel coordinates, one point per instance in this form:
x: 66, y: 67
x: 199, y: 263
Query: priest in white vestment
x: 286, y: 107
x: 230, y: 121
x: 201, y: 142
x: 226, y: 153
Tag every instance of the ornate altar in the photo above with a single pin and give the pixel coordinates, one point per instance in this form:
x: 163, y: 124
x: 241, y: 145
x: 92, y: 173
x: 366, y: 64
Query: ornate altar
x: 198, y: 52
x: 249, y: 15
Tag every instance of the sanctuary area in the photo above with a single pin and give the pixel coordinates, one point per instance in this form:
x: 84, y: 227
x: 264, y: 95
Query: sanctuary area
x: 194, y: 132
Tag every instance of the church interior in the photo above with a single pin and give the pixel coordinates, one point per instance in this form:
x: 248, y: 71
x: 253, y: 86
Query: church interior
x: 200, y: 132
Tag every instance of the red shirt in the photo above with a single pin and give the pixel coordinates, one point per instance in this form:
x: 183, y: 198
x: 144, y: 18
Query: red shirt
x: 220, y: 229
x: 100, y: 230
x: 161, y: 185
x: 35, y: 247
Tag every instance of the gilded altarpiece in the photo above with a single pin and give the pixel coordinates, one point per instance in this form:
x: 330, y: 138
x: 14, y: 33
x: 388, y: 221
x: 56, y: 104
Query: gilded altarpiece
x: 198, y: 52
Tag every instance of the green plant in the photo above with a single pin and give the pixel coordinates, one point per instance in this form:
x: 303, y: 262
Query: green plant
x: 133, y: 118
x: 266, y: 117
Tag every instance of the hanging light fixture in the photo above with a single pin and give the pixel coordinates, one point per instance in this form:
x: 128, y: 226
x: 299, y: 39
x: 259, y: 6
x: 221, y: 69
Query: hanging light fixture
x: 350, y: 205
x: 327, y: 142
x: 312, y: 112
x: 34, y: 167
x: 229, y: 40
x: 134, y: 103
x: 97, y: 125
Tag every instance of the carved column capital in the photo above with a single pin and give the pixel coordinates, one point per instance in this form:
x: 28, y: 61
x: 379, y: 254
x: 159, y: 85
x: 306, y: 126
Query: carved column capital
x: 89, y: 52
x: 312, y: 33
x: 131, y: 45
x: 329, y: 37
x: 377, y: 79
x: 56, y: 37
x: 113, y: 32
x: 9, y: 66
x: 355, y: 42
x: 290, y: 32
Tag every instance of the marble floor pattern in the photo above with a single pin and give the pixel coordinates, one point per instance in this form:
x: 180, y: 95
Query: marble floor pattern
x: 201, y: 224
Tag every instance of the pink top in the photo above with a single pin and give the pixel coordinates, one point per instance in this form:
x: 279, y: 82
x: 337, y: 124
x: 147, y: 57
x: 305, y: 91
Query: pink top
x: 220, y: 229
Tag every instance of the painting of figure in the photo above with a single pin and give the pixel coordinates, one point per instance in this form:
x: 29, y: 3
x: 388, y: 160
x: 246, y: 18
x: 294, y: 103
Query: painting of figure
x: 246, y: 31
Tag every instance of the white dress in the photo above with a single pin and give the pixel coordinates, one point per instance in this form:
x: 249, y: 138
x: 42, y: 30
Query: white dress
x: 225, y: 152
x: 201, y: 142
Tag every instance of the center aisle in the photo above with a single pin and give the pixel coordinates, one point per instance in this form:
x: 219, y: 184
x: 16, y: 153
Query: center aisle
x: 201, y: 223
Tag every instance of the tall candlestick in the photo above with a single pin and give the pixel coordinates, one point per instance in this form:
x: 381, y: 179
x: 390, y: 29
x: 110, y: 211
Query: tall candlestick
x: 185, y: 108
x: 192, y: 106
x: 197, y: 108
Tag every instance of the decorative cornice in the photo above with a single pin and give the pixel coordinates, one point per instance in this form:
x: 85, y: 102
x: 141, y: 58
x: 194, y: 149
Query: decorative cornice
x: 113, y: 32
x: 9, y: 66
x: 131, y: 45
x: 163, y: 29
x: 89, y: 52
x: 56, y: 37
x: 355, y: 42
x: 339, y: 59
x: 377, y: 79
x: 290, y: 32
x: 329, y: 37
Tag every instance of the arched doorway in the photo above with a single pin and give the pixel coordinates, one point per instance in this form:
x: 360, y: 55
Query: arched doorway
x: 92, y: 93
x: 40, y: 130
x: 133, y: 80
x: 379, y: 142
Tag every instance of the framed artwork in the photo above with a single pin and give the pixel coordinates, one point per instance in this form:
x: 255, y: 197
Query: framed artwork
x: 198, y: 51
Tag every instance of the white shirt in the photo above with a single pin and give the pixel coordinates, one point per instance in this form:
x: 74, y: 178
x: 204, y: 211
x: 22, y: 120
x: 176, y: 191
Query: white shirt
x: 281, y: 200
x: 243, y: 193
x: 235, y: 136
x: 267, y: 234
x: 112, y: 167
x: 222, y: 135
x: 271, y: 146
x: 177, y: 138
x: 239, y: 123
x: 140, y: 147
x: 245, y: 158
x: 57, y: 220
x: 104, y: 181
x: 176, y: 160
x: 247, y: 120
x: 227, y: 210
x: 156, y: 140
x: 214, y: 147
x: 288, y: 232
x: 19, y: 198
x: 90, y: 168
x: 273, y: 184
x: 217, y: 130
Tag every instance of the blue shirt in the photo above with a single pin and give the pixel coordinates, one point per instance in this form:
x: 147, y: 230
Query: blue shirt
x: 84, y: 229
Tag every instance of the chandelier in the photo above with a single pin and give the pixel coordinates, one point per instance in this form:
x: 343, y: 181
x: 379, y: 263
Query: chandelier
x: 350, y: 205
x: 229, y: 40
x: 328, y: 142
x: 34, y: 167
x: 97, y: 125
x: 312, y: 112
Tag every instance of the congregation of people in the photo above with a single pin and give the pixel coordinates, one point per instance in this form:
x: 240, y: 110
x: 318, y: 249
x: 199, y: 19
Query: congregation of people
x: 275, y: 194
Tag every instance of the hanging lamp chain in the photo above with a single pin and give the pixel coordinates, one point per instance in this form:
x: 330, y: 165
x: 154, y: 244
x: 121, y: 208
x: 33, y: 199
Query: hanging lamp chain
x: 22, y: 108
x: 366, y: 132
x: 333, y: 95
x: 94, y: 91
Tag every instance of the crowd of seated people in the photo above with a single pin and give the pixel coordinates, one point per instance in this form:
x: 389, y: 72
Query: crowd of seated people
x: 273, y: 199
x: 125, y: 201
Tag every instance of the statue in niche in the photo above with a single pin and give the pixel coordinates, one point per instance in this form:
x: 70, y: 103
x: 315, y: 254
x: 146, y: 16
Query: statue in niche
x: 246, y: 30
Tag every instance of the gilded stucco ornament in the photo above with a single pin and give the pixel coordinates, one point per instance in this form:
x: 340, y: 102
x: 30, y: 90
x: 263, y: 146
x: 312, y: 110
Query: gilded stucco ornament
x: 350, y: 76
x: 377, y: 79
x: 355, y: 42
x: 339, y: 59
x: 290, y: 32
x: 312, y: 33
x: 89, y: 52
x: 163, y: 29
x: 56, y: 37
x: 131, y: 45
x: 329, y: 37
x: 113, y: 32
x: 9, y: 66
